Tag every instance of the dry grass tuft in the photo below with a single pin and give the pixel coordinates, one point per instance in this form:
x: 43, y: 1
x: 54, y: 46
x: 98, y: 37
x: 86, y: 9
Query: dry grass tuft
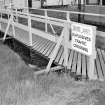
x: 19, y: 86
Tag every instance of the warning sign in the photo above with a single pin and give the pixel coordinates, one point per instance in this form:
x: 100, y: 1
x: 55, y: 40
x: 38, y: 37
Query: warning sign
x: 83, y: 38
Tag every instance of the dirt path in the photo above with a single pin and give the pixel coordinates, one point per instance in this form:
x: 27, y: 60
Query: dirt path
x: 18, y: 85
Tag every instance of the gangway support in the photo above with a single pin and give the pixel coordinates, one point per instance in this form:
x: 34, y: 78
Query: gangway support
x: 51, y: 69
x: 63, y: 38
x: 10, y: 22
x: 55, y: 51
x: 84, y: 66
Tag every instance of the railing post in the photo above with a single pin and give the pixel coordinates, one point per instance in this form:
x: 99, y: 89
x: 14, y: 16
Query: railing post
x: 91, y: 73
x: 68, y: 16
x: 46, y: 17
x: 66, y: 39
x: 0, y: 19
x: 16, y: 16
x: 13, y: 27
x: 30, y: 29
x: 8, y: 25
x: 100, y: 2
x: 91, y: 59
x: 8, y: 16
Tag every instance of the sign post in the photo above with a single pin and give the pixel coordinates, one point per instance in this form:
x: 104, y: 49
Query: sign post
x: 83, y: 41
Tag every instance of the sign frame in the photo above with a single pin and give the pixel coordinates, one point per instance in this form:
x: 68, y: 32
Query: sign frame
x: 77, y: 37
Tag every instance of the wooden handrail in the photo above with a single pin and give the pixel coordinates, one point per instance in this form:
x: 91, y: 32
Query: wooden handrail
x: 73, y: 12
x: 63, y: 37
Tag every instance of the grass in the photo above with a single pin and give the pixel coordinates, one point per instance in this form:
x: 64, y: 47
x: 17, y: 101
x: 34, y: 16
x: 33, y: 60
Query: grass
x: 19, y: 85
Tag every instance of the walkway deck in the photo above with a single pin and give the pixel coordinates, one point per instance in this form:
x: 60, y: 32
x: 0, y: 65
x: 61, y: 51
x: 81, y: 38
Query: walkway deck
x: 78, y: 63
x: 44, y: 33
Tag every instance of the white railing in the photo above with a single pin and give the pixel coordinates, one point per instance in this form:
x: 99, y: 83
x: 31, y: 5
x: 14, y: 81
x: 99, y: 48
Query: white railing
x: 64, y: 36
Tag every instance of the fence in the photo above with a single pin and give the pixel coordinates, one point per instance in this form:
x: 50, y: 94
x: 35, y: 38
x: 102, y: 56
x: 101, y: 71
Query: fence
x: 12, y: 18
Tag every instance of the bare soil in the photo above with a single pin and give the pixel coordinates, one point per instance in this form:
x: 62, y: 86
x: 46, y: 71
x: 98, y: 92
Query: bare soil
x: 19, y: 85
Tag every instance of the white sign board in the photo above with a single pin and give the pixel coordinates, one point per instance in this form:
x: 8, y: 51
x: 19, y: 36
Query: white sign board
x: 83, y: 38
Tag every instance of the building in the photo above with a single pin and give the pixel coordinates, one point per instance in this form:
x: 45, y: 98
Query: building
x: 21, y: 3
x: 39, y: 3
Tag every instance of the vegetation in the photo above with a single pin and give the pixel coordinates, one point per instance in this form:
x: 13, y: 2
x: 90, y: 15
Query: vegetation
x: 19, y: 85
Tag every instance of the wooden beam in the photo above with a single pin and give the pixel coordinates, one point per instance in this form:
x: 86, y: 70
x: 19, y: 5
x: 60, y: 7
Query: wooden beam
x: 9, y: 23
x: 30, y: 29
x: 66, y: 40
x: 55, y: 51
x: 46, y: 22
x: 91, y: 59
x: 51, y: 69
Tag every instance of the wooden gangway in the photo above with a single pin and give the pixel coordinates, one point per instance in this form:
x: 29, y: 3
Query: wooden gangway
x: 46, y: 41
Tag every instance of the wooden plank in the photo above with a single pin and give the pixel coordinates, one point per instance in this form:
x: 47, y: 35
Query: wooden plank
x: 51, y: 49
x: 79, y: 63
x: 51, y: 69
x: 57, y: 58
x: 43, y: 46
x: 35, y: 41
x: 83, y: 65
x: 98, y: 66
x: 74, y: 63
x: 40, y: 45
x: 70, y: 59
x: 95, y: 70
x: 35, y: 46
x: 61, y: 61
x: 58, y: 54
x: 103, y: 54
x: 50, y: 54
x: 101, y: 62
x: 46, y: 48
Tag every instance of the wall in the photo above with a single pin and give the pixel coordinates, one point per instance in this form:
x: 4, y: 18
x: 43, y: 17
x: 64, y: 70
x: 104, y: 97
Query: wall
x: 65, y: 2
x: 20, y: 3
x: 36, y: 4
x: 1, y: 3
x: 52, y: 2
